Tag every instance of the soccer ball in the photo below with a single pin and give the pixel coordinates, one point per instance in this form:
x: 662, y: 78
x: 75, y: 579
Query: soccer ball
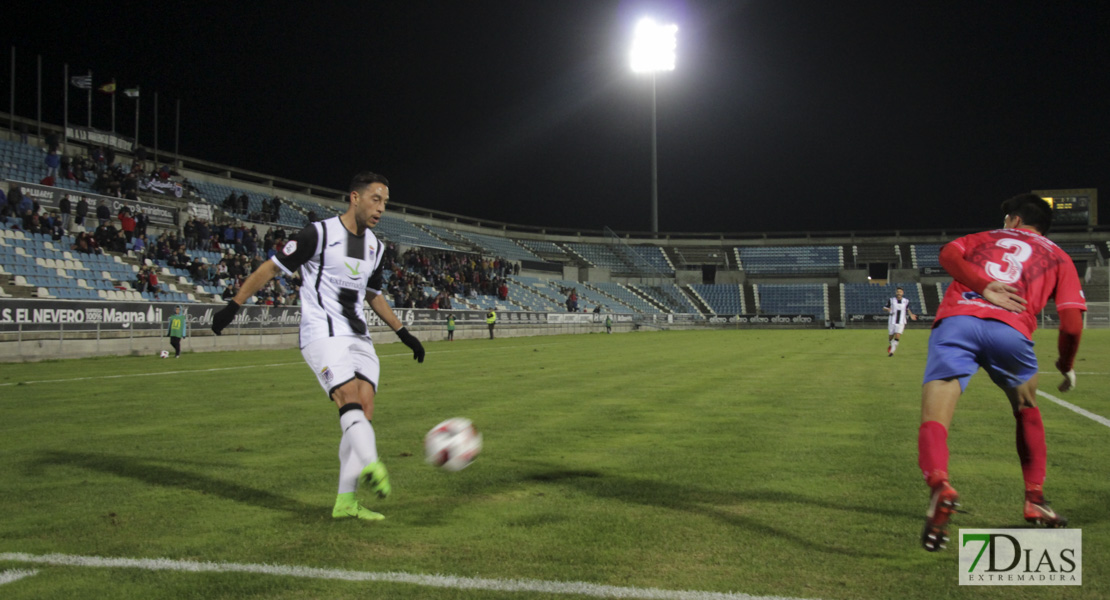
x: 165, y: 354
x: 453, y: 444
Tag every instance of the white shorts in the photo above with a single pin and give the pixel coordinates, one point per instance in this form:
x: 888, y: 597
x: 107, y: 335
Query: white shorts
x: 895, y: 329
x: 338, y: 360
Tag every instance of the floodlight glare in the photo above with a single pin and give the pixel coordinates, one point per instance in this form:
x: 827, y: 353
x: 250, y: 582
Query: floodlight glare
x: 653, y: 47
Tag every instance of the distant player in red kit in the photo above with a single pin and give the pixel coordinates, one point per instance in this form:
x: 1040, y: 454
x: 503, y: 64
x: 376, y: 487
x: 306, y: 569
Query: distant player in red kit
x: 1003, y: 278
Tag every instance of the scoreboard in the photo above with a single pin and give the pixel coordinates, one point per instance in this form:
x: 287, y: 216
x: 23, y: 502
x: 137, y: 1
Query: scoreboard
x: 1072, y: 208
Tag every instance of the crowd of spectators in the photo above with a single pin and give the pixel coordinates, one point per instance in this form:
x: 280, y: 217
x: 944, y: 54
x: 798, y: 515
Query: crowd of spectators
x: 240, y: 255
x: 269, y: 212
x: 409, y: 275
x: 96, y: 230
x: 449, y: 274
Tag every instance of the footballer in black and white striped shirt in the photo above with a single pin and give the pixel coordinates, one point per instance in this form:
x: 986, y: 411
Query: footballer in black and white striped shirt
x: 899, y: 309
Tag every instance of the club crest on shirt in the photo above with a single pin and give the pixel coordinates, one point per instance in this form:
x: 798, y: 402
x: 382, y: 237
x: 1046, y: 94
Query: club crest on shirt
x: 327, y: 375
x: 289, y: 248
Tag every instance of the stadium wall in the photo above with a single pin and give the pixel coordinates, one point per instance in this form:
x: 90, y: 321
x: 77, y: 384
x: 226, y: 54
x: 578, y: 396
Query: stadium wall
x: 76, y: 345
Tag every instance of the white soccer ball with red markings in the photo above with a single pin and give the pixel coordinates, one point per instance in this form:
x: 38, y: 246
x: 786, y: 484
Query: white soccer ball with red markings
x: 453, y: 444
x: 165, y: 354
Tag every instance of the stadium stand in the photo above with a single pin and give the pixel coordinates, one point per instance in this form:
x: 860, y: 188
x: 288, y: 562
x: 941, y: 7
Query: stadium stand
x: 34, y: 265
x: 587, y: 298
x: 598, y: 255
x: 452, y: 238
x: 925, y: 255
x: 498, y: 246
x: 698, y: 256
x: 722, y: 299
x: 870, y: 298
x: 792, y: 298
x: 21, y: 162
x: 400, y: 231
x: 525, y: 291
x: 622, y: 258
x: 544, y: 249
x: 790, y: 260
x: 36, y: 262
x: 624, y: 296
x: 652, y: 259
x: 215, y: 193
x: 668, y: 295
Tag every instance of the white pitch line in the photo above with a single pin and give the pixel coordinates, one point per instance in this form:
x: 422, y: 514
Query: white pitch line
x: 15, y: 575
x: 187, y: 371
x: 579, y: 588
x: 1082, y: 411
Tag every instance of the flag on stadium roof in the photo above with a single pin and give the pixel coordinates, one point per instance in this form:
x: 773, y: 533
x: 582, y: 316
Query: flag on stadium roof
x: 108, y: 88
x: 81, y: 81
x: 131, y: 92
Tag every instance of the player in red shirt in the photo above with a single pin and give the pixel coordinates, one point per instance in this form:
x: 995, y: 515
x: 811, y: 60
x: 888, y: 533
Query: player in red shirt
x: 1002, y: 279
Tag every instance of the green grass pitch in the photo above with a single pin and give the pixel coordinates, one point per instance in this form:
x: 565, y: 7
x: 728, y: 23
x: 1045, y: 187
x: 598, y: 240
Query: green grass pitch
x: 778, y: 463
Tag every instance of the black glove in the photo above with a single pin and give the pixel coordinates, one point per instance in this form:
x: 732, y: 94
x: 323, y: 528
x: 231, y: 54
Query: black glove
x: 224, y: 317
x: 410, y: 340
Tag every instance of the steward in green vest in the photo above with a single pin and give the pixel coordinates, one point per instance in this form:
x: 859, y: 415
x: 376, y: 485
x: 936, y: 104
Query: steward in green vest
x: 178, y: 328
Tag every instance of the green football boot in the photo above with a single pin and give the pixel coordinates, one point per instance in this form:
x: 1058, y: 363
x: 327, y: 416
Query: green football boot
x: 346, y: 507
x: 375, y: 476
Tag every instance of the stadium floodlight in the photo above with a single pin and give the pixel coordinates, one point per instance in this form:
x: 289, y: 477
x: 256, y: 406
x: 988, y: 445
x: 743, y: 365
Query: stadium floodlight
x: 653, y: 50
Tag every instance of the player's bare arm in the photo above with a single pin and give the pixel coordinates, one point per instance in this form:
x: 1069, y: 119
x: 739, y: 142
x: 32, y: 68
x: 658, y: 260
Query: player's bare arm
x: 261, y: 276
x: 381, y: 308
x: 257, y: 280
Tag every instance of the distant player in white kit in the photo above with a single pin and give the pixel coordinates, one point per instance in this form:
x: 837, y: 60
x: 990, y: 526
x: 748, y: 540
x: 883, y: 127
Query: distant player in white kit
x: 899, y: 309
x: 340, y: 259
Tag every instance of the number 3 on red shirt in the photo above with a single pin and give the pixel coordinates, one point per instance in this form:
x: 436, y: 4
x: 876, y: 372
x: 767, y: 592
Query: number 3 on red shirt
x: 1011, y: 271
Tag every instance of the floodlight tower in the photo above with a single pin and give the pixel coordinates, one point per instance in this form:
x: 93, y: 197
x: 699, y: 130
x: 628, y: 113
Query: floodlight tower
x: 653, y: 50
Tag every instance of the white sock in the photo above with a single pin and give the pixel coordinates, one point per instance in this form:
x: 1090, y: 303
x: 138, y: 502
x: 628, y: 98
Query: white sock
x: 359, y: 433
x: 893, y: 346
x: 348, y: 467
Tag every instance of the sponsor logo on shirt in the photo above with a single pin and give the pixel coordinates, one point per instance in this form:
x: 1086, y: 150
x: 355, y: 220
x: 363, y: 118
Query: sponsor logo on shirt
x: 290, y: 247
x: 354, y: 274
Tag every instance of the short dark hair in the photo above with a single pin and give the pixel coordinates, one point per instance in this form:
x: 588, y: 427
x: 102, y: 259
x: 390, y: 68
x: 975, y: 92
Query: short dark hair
x: 899, y: 288
x: 1033, y: 210
x: 364, y: 179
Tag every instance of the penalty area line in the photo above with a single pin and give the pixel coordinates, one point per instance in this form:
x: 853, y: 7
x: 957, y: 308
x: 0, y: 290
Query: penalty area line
x: 1081, y: 411
x: 578, y: 588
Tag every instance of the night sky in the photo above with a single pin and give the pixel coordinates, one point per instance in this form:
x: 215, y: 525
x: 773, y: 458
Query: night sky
x: 781, y: 115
